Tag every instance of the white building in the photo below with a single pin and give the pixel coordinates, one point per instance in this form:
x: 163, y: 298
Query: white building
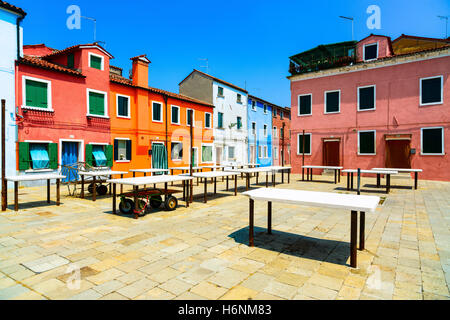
x: 230, y: 115
x: 10, y: 49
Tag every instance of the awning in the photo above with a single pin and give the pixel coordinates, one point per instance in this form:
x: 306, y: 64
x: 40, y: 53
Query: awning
x: 99, y: 155
x: 39, y: 156
x: 401, y: 136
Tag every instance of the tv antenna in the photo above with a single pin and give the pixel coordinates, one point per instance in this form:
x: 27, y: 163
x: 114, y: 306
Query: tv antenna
x: 352, y: 20
x: 95, y: 26
x: 446, y: 23
x: 207, y: 65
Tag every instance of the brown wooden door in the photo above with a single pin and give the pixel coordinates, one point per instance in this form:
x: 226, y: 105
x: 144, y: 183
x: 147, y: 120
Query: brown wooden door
x: 398, y: 154
x: 331, y: 153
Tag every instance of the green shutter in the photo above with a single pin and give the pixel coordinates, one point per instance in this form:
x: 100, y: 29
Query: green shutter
x: 96, y: 104
x: 70, y: 60
x: 96, y: 62
x: 24, y: 156
x: 109, y: 155
x: 36, y: 94
x: 88, y: 155
x: 53, y: 155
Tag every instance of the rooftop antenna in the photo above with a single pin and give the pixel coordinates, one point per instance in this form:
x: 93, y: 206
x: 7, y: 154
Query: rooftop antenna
x: 207, y: 65
x: 352, y: 20
x: 446, y: 23
x: 95, y: 26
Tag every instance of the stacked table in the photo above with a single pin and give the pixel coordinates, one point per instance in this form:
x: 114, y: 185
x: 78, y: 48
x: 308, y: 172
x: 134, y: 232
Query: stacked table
x: 34, y: 177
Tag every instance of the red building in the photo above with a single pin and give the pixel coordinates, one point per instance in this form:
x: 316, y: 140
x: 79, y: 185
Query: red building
x: 281, y: 127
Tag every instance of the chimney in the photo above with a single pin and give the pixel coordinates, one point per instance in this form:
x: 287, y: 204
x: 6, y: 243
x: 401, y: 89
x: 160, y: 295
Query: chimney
x: 140, y: 71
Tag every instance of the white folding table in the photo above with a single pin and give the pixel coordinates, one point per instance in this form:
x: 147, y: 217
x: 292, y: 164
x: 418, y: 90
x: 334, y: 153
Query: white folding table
x: 94, y: 174
x: 256, y: 171
x: 416, y: 173
x: 309, y: 172
x: 387, y: 173
x: 214, y: 175
x: 338, y: 201
x: 33, y: 177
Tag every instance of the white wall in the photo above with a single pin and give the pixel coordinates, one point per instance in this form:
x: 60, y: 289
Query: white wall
x: 230, y: 137
x: 8, y: 55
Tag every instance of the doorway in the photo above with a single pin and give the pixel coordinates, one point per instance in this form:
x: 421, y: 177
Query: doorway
x: 252, y: 154
x: 331, y: 152
x: 218, y: 155
x: 398, y: 154
x: 69, y: 157
x: 159, y: 157
x: 195, y: 156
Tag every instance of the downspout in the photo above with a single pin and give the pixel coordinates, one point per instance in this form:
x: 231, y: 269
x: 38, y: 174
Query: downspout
x: 19, y: 20
x: 167, y: 129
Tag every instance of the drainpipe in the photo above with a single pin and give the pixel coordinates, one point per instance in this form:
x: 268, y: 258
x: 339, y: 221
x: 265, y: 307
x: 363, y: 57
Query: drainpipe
x: 167, y: 121
x: 19, y: 20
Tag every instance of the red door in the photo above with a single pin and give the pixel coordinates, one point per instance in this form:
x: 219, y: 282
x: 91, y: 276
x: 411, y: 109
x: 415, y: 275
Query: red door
x: 398, y: 154
x: 331, y: 153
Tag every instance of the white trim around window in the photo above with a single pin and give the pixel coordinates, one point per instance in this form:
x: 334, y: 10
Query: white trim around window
x: 421, y: 142
x: 325, y: 102
x: 275, y: 132
x: 255, y: 129
x: 171, y: 114
x: 212, y: 152
x: 299, y: 152
x: 98, y: 56
x: 105, y: 103
x: 298, y: 100
x: 121, y: 139
x: 49, y: 94
x: 162, y: 114
x: 265, y: 130
x: 374, y: 143
x: 210, y: 120
x: 182, y: 149
x: 117, y: 106
x: 364, y: 50
x: 254, y: 107
x: 374, y: 97
x: 442, y: 91
x: 193, y: 117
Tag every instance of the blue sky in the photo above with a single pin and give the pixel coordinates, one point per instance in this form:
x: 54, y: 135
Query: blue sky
x: 247, y: 43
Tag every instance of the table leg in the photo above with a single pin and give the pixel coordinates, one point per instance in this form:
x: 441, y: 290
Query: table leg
x: 191, y: 191
x: 187, y: 193
x: 362, y: 226
x: 4, y: 195
x: 205, y: 190
x: 184, y: 190
x: 353, y: 235
x: 223, y: 169
x: 351, y: 180
x: 215, y: 185
x: 348, y: 181
x: 269, y: 217
x: 110, y: 191
x: 16, y: 195
x: 273, y: 179
x: 58, y: 192
x: 145, y: 174
x: 257, y: 178
x: 121, y: 186
x: 251, y: 222
x: 267, y: 179
x: 378, y: 180
x: 282, y: 176
x: 94, y: 189
x: 416, y: 178
x: 82, y: 187
x: 235, y: 184
x: 135, y: 196
x: 227, y: 183
x: 171, y: 171
x: 335, y: 176
x: 303, y: 174
x: 114, y: 198
x: 289, y: 176
x: 388, y: 183
x: 48, y: 190
x: 339, y: 175
x: 247, y: 182
x: 134, y: 174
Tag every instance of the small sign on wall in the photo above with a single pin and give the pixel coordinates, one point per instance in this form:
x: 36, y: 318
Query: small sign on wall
x: 413, y: 151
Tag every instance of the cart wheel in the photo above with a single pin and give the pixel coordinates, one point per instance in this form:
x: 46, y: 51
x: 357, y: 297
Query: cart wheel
x: 91, y: 187
x: 126, y: 206
x: 102, y: 190
x: 171, y: 203
x: 141, y: 205
x: 156, y: 201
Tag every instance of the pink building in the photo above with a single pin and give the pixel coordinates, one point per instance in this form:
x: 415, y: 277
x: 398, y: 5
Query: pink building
x: 369, y: 104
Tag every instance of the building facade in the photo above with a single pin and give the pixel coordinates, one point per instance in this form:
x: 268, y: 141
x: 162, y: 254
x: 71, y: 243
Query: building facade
x: 281, y: 128
x: 11, y: 50
x: 259, y: 131
x: 230, y: 115
x: 379, y: 105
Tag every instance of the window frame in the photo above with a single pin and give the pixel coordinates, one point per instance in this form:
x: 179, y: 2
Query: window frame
x: 275, y: 132
x: 299, y: 153
x: 275, y: 153
x: 182, y: 149
x: 47, y: 142
x: 193, y: 117
x: 298, y: 99
x: 218, y: 92
x: 265, y: 152
x: 162, y: 114
x: 171, y: 114
x: 117, y: 106
x: 265, y: 108
x: 442, y: 91
x: 442, y: 145
x: 49, y: 94
x: 125, y: 140
x: 218, y: 118
x: 374, y: 143
x: 212, y: 152
x: 210, y: 120
x: 237, y: 123
x: 102, y: 68
x: 265, y: 130
x: 254, y: 107
x: 88, y: 114
x: 364, y: 51
x: 239, y: 98
x: 325, y: 102
x: 228, y: 153
x: 254, y: 130
x: 374, y: 97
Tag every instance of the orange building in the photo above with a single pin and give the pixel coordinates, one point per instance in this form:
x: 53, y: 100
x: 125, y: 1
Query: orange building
x: 149, y: 127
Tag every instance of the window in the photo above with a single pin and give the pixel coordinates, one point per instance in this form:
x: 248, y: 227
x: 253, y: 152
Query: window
x: 37, y: 94
x: 176, y: 153
x: 70, y: 60
x: 253, y: 105
x: 259, y: 151
x: 95, y: 61
x: 220, y: 120
x: 304, y: 104
x: 189, y: 115
x: 265, y: 152
x: 207, y: 153
x: 370, y: 51
x: 281, y: 133
x: 122, y: 150
x: 208, y: 120
x: 307, y: 143
x: 265, y: 109
x: 253, y: 127
x: 366, y: 98
x: 274, y: 112
x: 38, y: 155
x: 175, y: 115
x: 239, y: 123
x: 332, y: 101
x: 239, y: 98
x: 431, y: 90
x: 157, y: 112
x: 265, y: 130
x: 275, y: 153
x: 220, y: 92
x: 97, y: 103
x: 100, y: 155
x: 432, y: 142
x: 281, y: 115
x: 230, y: 152
x: 275, y: 132
x: 366, y: 142
x: 123, y: 106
